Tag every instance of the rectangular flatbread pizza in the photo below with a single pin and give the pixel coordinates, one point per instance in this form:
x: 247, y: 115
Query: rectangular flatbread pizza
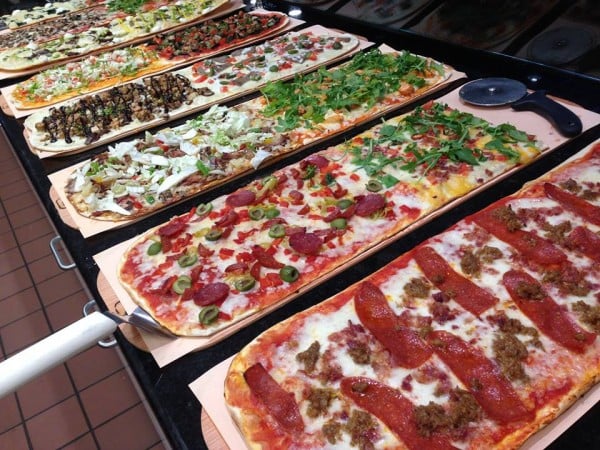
x: 476, y: 338
x: 241, y: 253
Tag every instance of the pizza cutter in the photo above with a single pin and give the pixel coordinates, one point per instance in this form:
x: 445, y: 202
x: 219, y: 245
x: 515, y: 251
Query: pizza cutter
x: 505, y: 91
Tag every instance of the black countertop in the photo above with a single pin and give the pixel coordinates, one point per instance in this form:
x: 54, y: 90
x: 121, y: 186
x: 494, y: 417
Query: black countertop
x: 166, y: 389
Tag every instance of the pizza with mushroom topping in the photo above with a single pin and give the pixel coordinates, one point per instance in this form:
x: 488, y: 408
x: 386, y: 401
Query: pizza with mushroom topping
x: 243, y: 252
x: 21, y: 17
x: 476, y: 338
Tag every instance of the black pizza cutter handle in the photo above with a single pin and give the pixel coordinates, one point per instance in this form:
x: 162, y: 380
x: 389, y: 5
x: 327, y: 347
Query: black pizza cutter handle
x: 565, y: 120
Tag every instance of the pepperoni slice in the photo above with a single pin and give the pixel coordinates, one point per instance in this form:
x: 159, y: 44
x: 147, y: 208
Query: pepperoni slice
x: 281, y: 404
x: 466, y: 293
x: 548, y: 316
x: 172, y: 228
x: 211, y: 294
x: 243, y: 197
x: 317, y: 160
x: 204, y: 251
x: 529, y: 245
x: 573, y: 203
x: 369, y: 204
x: 306, y: 243
x: 237, y: 268
x: 586, y: 242
x: 265, y: 259
x: 482, y: 377
x: 393, y: 409
x: 296, y: 196
x: 403, y: 343
x: 230, y: 218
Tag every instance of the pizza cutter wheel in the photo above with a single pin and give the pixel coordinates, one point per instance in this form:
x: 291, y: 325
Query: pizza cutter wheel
x: 505, y: 91
x: 68, y: 342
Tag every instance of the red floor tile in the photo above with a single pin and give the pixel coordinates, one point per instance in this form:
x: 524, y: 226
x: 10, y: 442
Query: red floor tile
x: 93, y: 365
x: 66, y: 311
x: 14, y: 439
x: 20, y: 202
x: 132, y: 430
x: 4, y: 225
x: 24, y: 332
x: 59, y: 287
x: 10, y: 260
x: 11, y: 177
x: 14, y: 282
x: 9, y: 413
x: 57, y: 426
x: 37, y: 249
x: 18, y: 305
x: 7, y: 239
x: 86, y: 442
x: 9, y: 165
x: 26, y: 215
x: 45, y: 391
x: 44, y: 268
x: 13, y: 189
x: 33, y: 231
x: 109, y: 397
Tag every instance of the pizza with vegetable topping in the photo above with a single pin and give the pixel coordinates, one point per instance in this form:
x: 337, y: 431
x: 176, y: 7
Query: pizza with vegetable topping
x: 100, y: 36
x: 476, y: 338
x: 256, y: 247
x: 21, y: 17
x: 110, y: 68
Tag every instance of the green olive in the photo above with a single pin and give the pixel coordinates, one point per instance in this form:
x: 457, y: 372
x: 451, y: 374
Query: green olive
x: 187, y: 260
x: 154, y: 248
x: 203, y: 209
x: 271, y: 213
x: 344, y: 203
x: 214, y: 234
x: 208, y: 314
x: 244, y: 283
x: 270, y: 182
x: 277, y: 230
x: 340, y: 223
x: 256, y: 213
x: 289, y: 274
x: 181, y: 284
x: 374, y: 186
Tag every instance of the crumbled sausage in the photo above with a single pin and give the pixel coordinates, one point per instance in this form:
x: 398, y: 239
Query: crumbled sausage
x: 571, y: 186
x: 514, y: 326
x: 362, y: 429
x: 590, y: 195
x: 530, y: 291
x: 431, y: 418
x: 332, y: 431
x: 508, y: 217
x: 557, y: 233
x: 462, y: 410
x: 569, y: 280
x: 319, y: 401
x: 488, y: 254
x: 309, y: 357
x: 589, y: 315
x: 359, y: 352
x: 470, y: 264
x: 417, y: 287
x: 510, y: 353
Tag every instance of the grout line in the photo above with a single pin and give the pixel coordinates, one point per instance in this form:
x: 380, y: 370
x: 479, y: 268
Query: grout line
x: 101, y: 424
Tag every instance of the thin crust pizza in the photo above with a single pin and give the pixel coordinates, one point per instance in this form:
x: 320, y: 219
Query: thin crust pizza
x: 22, y: 17
x: 476, y: 338
x: 107, y: 69
x: 118, y: 31
x: 135, y: 178
x: 254, y: 248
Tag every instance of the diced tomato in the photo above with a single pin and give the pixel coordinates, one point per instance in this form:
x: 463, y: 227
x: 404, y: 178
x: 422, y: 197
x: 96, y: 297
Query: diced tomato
x: 226, y: 253
x: 270, y: 280
x: 354, y: 177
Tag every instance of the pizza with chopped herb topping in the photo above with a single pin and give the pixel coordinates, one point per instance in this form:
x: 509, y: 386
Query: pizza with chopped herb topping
x: 256, y: 247
x: 477, y: 338
x: 135, y: 178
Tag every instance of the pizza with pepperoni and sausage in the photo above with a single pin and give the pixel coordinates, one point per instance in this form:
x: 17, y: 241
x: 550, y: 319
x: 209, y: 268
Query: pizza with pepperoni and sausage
x: 476, y: 338
x: 259, y: 245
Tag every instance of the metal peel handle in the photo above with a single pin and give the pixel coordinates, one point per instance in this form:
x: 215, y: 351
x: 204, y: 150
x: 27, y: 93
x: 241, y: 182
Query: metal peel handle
x: 53, y: 350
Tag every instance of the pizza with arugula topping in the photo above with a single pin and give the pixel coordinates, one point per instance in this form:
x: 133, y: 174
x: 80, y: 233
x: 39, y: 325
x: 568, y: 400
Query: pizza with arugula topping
x: 135, y: 178
x: 110, y: 68
x: 476, y: 338
x: 100, y: 118
x: 256, y: 247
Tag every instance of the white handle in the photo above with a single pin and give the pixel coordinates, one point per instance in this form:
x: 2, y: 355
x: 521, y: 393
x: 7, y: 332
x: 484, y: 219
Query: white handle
x: 53, y: 350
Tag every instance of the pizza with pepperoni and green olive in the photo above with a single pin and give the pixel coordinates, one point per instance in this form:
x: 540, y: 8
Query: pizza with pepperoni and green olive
x: 256, y: 247
x: 476, y: 338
